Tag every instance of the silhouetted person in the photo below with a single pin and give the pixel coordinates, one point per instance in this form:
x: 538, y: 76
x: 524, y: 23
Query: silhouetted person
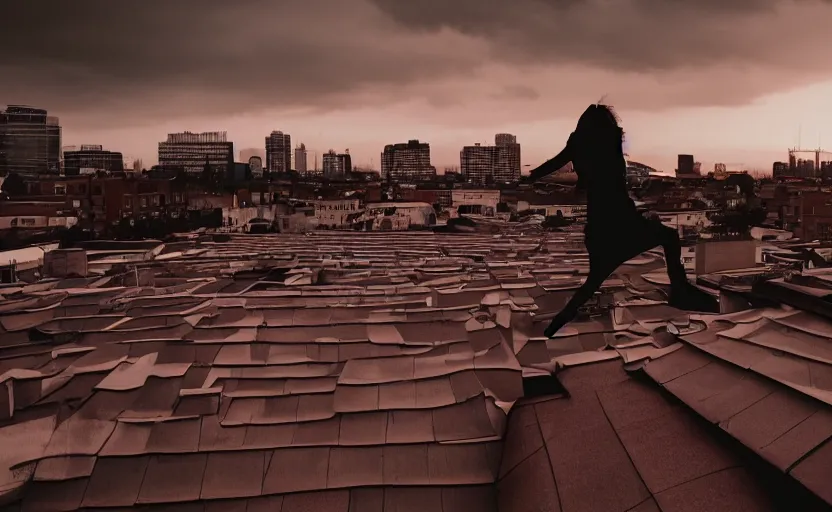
x: 615, y: 231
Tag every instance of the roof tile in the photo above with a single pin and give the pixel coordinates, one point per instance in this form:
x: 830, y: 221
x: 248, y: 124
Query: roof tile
x: 370, y: 393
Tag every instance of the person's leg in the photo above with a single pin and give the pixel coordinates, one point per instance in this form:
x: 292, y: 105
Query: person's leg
x: 683, y: 294
x: 598, y: 273
x: 659, y: 234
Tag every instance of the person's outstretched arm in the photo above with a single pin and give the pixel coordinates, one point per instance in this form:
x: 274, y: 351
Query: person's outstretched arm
x: 552, y: 165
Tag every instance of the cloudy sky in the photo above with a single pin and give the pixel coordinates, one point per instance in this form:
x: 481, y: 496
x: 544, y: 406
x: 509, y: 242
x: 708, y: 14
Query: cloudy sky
x: 733, y: 81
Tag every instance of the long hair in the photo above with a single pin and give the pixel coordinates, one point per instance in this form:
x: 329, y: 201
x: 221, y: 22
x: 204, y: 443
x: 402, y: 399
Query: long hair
x: 599, y: 137
x: 600, y: 124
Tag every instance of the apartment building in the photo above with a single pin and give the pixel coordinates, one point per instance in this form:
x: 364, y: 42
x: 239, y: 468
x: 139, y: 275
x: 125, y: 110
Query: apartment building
x: 336, y: 165
x: 499, y: 163
x: 407, y: 162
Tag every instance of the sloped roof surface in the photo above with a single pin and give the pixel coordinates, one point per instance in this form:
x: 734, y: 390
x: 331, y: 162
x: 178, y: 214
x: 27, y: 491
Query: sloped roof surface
x: 385, y: 372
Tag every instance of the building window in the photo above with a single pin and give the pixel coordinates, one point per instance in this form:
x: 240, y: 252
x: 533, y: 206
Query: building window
x: 127, y: 202
x: 143, y: 202
x: 27, y: 222
x: 60, y: 190
x: 76, y: 203
x: 156, y: 200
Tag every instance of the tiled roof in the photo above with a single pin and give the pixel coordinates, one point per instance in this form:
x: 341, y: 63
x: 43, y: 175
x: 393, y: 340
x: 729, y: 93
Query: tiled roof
x: 393, y: 372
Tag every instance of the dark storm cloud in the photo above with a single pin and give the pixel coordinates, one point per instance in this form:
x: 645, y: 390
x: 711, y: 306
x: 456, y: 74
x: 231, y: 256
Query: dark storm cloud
x: 204, y: 54
x: 625, y: 35
x: 138, y: 59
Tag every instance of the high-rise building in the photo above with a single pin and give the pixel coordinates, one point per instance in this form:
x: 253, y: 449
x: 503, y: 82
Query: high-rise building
x: 476, y: 163
x: 278, y: 152
x: 346, y: 160
x: 409, y: 161
x: 91, y: 159
x: 685, y: 164
x: 30, y: 141
x: 507, y: 158
x: 191, y: 151
x: 336, y: 165
x: 300, y: 159
x: 491, y: 164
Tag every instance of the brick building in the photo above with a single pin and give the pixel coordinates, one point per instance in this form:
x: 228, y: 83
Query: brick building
x: 100, y: 200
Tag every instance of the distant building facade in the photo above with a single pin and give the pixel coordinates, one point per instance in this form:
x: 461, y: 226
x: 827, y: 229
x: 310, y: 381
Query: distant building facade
x: 499, y: 163
x: 278, y: 152
x: 397, y: 216
x: 406, y: 162
x: 30, y: 141
x: 335, y: 213
x: 801, y: 167
x: 685, y: 164
x: 191, y: 151
x: 92, y: 159
x: 507, y: 165
x: 780, y: 169
x: 300, y: 159
x: 336, y: 165
x: 479, y: 202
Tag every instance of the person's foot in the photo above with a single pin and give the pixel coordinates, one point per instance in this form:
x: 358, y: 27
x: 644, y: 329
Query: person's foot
x: 690, y: 298
x: 554, y: 327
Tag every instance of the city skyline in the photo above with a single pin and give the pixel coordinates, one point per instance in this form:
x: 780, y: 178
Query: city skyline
x: 448, y: 74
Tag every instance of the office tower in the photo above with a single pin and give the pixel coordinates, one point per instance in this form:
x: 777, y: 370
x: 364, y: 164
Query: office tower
x: 300, y: 159
x: 278, y: 152
x: 336, y: 165
x: 30, y: 141
x: 91, y: 159
x: 409, y: 161
x: 191, y: 151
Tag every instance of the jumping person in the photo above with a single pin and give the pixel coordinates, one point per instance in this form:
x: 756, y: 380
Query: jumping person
x: 615, y: 231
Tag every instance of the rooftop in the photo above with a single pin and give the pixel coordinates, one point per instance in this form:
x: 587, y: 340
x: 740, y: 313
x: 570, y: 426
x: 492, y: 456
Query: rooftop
x: 351, y: 372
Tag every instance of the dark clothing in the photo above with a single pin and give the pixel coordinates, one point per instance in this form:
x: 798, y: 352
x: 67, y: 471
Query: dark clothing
x: 603, y: 176
x: 615, y: 231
